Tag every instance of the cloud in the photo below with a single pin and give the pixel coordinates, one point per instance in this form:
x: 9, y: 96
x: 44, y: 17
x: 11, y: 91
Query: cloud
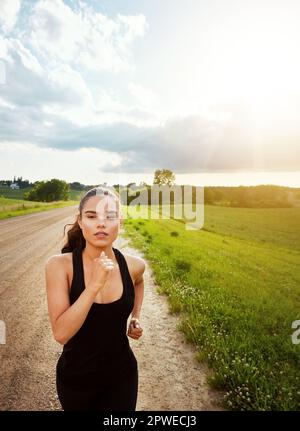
x: 81, y: 165
x: 195, y: 144
x: 55, y: 109
x: 49, y: 101
x: 29, y: 84
x: 59, y: 92
x: 186, y: 145
x: 82, y: 36
x: 145, y: 97
x: 41, y: 65
x: 9, y: 11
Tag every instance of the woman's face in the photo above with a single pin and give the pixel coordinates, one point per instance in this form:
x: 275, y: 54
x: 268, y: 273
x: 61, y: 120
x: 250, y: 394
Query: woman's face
x: 100, y: 213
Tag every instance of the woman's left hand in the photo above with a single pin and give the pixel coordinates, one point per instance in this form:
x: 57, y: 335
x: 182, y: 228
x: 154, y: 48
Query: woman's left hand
x: 135, y: 330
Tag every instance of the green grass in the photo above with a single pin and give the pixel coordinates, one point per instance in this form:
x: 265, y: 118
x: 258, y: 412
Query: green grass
x: 280, y: 226
x: 7, y: 192
x: 236, y: 284
x: 12, y: 203
x: 15, y: 207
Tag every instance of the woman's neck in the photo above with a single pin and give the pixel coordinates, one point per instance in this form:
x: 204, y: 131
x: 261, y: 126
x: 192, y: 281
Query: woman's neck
x: 90, y: 252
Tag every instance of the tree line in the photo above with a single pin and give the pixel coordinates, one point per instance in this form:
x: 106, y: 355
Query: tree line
x: 263, y: 196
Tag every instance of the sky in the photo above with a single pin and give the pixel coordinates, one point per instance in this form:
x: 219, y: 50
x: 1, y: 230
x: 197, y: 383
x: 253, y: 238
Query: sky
x: 110, y: 91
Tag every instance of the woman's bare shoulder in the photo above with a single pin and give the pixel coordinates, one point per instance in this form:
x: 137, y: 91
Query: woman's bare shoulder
x: 58, y: 260
x: 136, y: 264
x: 60, y: 265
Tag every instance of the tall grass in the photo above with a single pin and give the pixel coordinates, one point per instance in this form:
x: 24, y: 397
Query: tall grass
x: 236, y: 286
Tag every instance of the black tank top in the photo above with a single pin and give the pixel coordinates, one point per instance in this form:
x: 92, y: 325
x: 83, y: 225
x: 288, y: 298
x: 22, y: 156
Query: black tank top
x: 99, y: 353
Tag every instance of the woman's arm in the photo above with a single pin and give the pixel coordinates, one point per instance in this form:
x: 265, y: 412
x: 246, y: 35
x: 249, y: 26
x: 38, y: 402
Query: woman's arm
x: 135, y: 330
x: 139, y: 292
x: 66, y: 320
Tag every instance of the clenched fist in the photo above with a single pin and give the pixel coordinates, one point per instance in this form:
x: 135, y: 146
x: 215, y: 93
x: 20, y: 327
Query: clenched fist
x: 100, y: 268
x: 135, y: 330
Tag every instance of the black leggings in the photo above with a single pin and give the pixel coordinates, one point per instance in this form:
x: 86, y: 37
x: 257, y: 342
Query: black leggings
x: 120, y: 396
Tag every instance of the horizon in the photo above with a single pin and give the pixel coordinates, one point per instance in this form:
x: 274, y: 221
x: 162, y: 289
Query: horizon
x: 138, y: 183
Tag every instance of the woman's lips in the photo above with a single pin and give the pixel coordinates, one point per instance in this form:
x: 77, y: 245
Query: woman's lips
x: 101, y: 235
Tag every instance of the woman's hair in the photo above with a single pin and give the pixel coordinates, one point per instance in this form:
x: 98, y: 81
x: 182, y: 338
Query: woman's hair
x: 75, y: 237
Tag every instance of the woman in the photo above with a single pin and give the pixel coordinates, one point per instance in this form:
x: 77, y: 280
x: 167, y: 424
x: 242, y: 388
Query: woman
x: 91, y: 290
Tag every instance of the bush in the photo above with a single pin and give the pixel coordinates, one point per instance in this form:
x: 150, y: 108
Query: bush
x: 48, y: 191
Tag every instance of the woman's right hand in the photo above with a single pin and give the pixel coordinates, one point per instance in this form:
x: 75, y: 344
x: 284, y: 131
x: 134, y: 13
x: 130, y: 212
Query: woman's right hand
x: 100, y: 268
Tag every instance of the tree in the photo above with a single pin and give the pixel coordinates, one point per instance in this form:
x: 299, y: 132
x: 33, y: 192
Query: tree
x: 76, y: 186
x: 164, y: 177
x: 48, y: 191
x: 208, y: 195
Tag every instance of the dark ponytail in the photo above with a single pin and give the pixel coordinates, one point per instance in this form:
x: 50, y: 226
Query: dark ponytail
x: 75, y: 238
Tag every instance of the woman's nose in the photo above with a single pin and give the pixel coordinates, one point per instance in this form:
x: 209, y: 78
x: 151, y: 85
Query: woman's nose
x: 101, y: 220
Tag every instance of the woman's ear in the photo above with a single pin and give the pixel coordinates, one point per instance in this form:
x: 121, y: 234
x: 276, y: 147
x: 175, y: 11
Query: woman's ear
x: 79, y: 221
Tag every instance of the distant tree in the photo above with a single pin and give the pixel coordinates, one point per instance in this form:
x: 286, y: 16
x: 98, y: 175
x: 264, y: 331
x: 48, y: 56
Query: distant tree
x: 164, y: 177
x: 208, y: 195
x: 240, y: 198
x: 218, y: 194
x: 76, y: 186
x: 22, y: 183
x: 48, y: 191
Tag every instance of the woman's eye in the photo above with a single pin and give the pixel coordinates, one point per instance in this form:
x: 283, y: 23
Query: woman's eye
x: 109, y: 217
x: 112, y: 216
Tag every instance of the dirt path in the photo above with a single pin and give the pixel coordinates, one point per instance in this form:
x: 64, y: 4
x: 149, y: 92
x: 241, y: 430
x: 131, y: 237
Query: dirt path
x: 169, y: 376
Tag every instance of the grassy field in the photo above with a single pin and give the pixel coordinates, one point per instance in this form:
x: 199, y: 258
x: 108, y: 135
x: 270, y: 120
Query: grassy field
x: 12, y: 203
x: 7, y: 192
x: 15, y: 207
x: 236, y: 285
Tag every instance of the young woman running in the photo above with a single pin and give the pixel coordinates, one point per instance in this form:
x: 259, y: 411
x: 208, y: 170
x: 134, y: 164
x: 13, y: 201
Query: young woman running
x: 91, y: 290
